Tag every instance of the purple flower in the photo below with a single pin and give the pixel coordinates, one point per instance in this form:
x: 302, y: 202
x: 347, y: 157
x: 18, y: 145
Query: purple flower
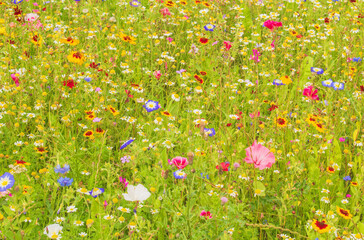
x: 96, y: 119
x: 134, y: 3
x: 181, y: 71
x: 63, y: 170
x: 125, y: 159
x: 96, y: 192
x: 151, y: 105
x: 347, y: 178
x: 127, y: 143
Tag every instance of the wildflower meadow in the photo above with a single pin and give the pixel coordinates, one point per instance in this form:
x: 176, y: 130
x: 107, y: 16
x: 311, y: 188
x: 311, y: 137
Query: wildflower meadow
x: 181, y: 119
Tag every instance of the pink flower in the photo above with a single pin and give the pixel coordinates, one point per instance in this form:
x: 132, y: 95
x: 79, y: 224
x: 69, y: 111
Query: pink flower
x: 260, y: 156
x: 165, y: 11
x: 179, y: 162
x: 205, y: 214
x: 7, y: 192
x: 271, y: 25
x: 342, y: 139
x: 31, y: 17
x: 223, y: 200
x: 227, y: 45
x: 157, y: 74
x: 254, y: 114
x: 310, y: 93
x: 15, y: 79
x: 170, y: 39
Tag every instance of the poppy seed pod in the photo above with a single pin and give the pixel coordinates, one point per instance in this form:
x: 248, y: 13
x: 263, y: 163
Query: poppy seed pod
x: 190, y: 156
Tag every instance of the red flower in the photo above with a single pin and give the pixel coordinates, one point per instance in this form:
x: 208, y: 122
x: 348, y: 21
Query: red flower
x: 272, y: 107
x: 204, y: 40
x: 224, y: 166
x: 69, y: 83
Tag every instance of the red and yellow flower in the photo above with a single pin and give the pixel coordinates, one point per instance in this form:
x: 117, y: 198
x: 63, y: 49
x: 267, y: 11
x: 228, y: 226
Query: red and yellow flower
x: 76, y: 57
x: 70, y: 41
x: 281, y: 122
x: 320, y: 226
x: 344, y: 213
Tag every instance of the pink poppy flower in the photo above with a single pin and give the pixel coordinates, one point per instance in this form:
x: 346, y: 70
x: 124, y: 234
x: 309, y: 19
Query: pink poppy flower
x: 179, y: 162
x: 310, y: 93
x: 261, y: 156
x: 271, y: 25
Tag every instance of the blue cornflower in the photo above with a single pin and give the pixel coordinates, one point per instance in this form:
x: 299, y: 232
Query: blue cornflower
x: 277, y: 82
x: 179, y: 174
x: 209, y: 27
x: 207, y: 176
x: 17, y: 1
x: 95, y: 192
x: 347, y: 178
x: 317, y: 70
x: 63, y: 170
x: 127, y: 143
x: 6, y: 182
x: 87, y: 79
x: 337, y: 85
x: 357, y: 59
x: 151, y: 105
x: 210, y: 131
x: 65, y: 182
x: 327, y: 83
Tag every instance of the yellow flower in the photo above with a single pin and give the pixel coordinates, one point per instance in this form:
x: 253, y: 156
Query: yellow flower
x: 89, y: 222
x: 286, y: 80
x: 76, y: 57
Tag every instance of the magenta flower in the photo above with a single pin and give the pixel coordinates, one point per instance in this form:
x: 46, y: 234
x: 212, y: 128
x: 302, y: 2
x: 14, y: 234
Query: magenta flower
x: 310, y: 93
x: 342, y: 139
x: 205, y: 214
x: 123, y: 181
x: 255, y: 56
x: 261, y: 156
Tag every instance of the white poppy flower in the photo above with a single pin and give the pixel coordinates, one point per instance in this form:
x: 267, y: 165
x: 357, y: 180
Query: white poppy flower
x: 136, y: 193
x: 52, y: 231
